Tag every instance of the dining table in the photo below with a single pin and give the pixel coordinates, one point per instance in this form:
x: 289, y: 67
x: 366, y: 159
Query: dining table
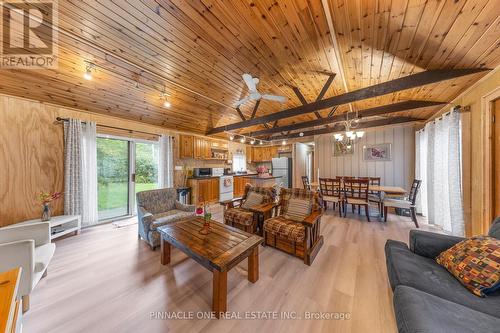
x: 381, y: 190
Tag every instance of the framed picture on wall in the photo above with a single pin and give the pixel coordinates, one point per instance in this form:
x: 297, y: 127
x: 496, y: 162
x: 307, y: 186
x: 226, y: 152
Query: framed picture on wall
x: 341, y: 149
x: 378, y: 152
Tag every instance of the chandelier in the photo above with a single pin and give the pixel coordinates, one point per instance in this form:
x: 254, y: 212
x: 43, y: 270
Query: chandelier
x: 348, y: 138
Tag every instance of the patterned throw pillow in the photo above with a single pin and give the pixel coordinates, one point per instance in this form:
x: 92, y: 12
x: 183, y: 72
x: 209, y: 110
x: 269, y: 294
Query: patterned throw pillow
x: 475, y: 262
x: 298, y: 209
x: 253, y: 199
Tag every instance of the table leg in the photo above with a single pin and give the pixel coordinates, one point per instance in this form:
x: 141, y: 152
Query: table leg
x: 219, y: 297
x: 253, y: 265
x: 165, y: 252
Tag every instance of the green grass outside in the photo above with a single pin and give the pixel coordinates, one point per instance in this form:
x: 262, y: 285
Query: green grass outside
x: 114, y: 195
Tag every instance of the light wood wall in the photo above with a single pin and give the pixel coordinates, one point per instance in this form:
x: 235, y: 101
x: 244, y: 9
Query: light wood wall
x: 32, y: 153
x: 399, y: 171
x: 475, y: 160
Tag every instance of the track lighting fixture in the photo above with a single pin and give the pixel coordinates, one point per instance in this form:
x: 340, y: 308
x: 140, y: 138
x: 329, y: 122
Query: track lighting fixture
x: 89, y: 67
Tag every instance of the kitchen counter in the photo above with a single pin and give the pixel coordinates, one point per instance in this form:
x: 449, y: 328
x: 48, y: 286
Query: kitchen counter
x: 208, y: 177
x: 255, y: 180
x: 257, y: 177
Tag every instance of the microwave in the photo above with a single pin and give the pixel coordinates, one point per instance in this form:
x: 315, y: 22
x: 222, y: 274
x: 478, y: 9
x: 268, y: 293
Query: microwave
x: 202, y: 172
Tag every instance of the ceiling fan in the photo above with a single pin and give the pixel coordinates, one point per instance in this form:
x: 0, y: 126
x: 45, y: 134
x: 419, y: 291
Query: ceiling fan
x: 254, y: 94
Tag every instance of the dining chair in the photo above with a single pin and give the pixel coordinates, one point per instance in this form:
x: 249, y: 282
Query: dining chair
x: 406, y: 203
x: 306, y: 183
x: 374, y: 196
x: 331, y: 191
x: 356, y: 194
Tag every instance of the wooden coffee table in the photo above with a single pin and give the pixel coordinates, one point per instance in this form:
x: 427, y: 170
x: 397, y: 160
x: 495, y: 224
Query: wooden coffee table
x: 219, y: 251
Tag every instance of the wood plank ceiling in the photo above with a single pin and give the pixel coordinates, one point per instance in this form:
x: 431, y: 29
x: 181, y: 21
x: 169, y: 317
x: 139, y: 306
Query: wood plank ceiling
x: 198, y: 50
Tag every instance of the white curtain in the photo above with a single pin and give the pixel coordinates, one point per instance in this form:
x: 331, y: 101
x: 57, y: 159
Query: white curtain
x: 166, y: 165
x: 80, y: 175
x: 89, y: 174
x: 438, y: 165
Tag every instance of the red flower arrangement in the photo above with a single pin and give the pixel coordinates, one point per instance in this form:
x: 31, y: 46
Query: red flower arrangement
x: 46, y: 197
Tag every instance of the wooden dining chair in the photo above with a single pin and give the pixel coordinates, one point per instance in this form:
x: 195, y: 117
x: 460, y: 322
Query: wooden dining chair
x: 408, y: 203
x: 331, y: 191
x: 306, y: 183
x: 374, y: 196
x: 356, y: 194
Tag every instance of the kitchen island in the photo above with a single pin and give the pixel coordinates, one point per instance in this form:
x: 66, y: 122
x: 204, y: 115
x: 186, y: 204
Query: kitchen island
x: 266, y: 181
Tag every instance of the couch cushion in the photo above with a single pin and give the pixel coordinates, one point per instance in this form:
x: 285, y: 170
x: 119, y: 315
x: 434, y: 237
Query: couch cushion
x: 495, y: 228
x: 43, y: 255
x: 285, y: 228
x: 417, y: 311
x: 475, y: 262
x: 238, y: 216
x: 169, y: 217
x: 409, y: 269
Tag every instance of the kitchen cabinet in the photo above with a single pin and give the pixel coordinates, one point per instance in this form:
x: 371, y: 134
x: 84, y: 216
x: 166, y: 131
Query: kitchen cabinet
x: 204, y: 190
x: 249, y: 154
x: 186, y: 146
x: 264, y: 154
x: 202, y: 149
x: 239, y: 183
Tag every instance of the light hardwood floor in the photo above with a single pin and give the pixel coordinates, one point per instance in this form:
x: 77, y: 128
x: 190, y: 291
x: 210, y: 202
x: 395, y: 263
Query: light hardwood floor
x: 106, y: 280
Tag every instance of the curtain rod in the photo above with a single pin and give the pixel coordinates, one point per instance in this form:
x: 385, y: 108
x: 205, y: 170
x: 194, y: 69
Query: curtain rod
x: 457, y: 108
x: 107, y: 126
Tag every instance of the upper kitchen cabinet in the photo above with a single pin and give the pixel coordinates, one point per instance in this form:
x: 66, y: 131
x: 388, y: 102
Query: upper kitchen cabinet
x: 201, y: 148
x: 186, y: 146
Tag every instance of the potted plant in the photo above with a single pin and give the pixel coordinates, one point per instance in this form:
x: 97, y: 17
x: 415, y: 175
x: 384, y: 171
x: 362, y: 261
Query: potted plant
x: 45, y: 198
x: 207, y: 216
x: 262, y: 171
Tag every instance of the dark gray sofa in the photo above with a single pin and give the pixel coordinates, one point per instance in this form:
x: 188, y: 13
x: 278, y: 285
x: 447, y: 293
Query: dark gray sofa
x: 427, y: 298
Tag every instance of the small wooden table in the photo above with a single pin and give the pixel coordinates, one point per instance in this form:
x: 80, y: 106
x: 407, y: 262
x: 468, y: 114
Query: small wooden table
x: 219, y: 251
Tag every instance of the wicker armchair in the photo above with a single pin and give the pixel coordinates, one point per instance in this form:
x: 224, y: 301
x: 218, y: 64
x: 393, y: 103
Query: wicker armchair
x: 247, y: 218
x: 299, y: 238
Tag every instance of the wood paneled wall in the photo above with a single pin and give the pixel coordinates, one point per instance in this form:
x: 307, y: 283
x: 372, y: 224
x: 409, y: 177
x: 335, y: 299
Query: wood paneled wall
x: 32, y: 153
x: 399, y: 171
x: 475, y: 153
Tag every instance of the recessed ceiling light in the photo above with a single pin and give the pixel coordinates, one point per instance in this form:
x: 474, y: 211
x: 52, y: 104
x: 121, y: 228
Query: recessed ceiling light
x: 301, y: 134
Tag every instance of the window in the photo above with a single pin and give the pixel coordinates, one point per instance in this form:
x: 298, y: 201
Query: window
x: 239, y: 162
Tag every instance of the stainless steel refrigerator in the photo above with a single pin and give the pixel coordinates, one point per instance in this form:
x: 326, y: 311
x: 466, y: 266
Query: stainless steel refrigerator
x: 282, y: 166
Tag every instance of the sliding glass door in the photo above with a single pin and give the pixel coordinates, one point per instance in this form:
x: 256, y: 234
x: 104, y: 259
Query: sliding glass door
x: 124, y: 167
x: 113, y: 186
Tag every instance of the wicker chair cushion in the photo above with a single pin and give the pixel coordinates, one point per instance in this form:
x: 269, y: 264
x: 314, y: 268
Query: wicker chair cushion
x: 285, y: 228
x: 238, y: 216
x: 298, y: 209
x: 253, y: 199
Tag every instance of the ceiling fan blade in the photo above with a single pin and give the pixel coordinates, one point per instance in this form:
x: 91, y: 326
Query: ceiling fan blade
x: 281, y: 99
x: 249, y: 81
x: 241, y: 101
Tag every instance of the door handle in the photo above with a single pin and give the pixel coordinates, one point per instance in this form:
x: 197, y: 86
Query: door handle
x: 133, y: 177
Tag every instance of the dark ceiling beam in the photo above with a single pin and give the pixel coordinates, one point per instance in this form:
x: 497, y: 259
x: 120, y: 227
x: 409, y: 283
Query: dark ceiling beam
x: 376, y: 111
x: 240, y: 113
x: 332, y: 111
x: 303, y: 100
x: 407, y: 82
x: 255, y: 109
x: 340, y: 127
x: 325, y: 87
